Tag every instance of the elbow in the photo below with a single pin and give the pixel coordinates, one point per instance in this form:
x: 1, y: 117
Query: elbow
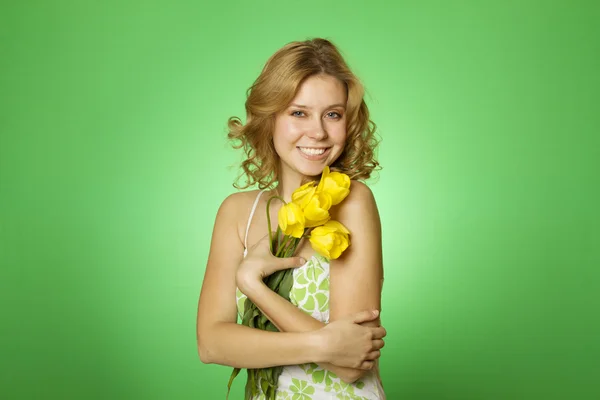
x: 204, y: 350
x: 205, y: 357
x: 210, y: 344
x: 204, y: 354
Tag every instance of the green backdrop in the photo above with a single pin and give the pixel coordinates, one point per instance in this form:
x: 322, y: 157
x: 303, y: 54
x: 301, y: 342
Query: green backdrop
x: 113, y: 162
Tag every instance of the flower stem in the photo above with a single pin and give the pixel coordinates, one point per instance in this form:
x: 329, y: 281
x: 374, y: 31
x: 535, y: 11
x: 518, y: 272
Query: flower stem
x: 286, y: 241
x: 290, y: 247
x: 269, y: 221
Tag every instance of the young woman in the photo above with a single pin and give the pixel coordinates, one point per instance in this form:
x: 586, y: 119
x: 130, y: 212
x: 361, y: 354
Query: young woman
x: 304, y: 112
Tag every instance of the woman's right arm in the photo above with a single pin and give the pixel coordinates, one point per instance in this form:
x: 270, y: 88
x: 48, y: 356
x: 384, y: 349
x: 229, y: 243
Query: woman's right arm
x: 220, y: 339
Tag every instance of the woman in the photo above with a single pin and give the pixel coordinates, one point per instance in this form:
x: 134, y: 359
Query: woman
x: 304, y: 112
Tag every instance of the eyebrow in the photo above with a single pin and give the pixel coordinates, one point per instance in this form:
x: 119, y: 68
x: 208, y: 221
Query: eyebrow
x: 308, y: 108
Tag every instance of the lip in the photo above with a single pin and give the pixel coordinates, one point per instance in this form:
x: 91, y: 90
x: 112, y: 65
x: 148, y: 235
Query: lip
x: 315, y: 157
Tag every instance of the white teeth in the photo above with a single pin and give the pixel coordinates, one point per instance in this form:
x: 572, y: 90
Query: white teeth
x: 312, y: 152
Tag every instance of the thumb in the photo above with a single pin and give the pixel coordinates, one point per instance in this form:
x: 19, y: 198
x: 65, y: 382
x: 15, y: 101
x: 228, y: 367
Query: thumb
x: 364, y: 316
x: 292, y: 262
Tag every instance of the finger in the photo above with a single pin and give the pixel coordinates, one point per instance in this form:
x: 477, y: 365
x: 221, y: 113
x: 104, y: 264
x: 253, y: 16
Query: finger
x: 291, y: 262
x: 378, y: 332
x: 277, y: 263
x: 378, y: 344
x: 366, y: 365
x: 373, y: 355
x: 364, y: 316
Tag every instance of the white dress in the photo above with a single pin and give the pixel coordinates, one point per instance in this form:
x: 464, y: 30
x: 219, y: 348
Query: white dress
x: 310, y: 293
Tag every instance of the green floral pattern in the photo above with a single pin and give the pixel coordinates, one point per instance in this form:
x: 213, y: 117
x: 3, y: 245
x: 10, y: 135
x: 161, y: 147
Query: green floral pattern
x: 310, y: 293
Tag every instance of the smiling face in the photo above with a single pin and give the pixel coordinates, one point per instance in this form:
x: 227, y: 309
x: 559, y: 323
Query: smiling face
x: 311, y: 132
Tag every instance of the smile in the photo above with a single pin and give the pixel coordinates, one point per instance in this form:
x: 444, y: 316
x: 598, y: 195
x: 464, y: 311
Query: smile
x: 313, y: 150
x: 314, y: 153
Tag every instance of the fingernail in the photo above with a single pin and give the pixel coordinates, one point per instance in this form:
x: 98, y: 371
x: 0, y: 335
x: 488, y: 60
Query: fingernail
x: 375, y: 312
x: 302, y: 261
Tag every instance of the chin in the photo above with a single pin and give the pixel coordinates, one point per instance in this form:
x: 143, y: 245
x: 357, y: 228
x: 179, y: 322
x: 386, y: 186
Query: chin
x: 310, y: 170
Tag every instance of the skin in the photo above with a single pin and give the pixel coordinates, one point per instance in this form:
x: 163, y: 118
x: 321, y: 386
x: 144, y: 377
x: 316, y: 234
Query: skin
x: 350, y: 344
x: 316, y: 118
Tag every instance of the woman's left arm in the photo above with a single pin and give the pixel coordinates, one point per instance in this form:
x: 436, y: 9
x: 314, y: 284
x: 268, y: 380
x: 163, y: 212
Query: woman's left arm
x: 355, y: 277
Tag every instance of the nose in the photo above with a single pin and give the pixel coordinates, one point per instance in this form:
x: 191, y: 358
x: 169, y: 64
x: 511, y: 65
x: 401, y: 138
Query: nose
x: 317, y: 130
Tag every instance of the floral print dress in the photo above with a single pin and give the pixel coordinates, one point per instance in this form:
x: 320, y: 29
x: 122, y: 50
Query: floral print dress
x: 310, y: 293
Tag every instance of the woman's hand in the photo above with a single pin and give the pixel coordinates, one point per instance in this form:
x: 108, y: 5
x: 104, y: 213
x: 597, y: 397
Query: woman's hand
x: 346, y: 343
x: 260, y: 263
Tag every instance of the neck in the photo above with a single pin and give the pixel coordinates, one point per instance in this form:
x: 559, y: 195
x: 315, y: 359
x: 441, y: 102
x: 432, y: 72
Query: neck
x: 288, y: 184
x: 285, y: 189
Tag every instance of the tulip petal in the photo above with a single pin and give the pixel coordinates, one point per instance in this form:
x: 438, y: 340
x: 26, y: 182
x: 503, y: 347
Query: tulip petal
x: 337, y: 226
x: 303, y: 194
x: 314, y: 214
x: 323, y: 177
x: 282, y: 220
x: 291, y: 220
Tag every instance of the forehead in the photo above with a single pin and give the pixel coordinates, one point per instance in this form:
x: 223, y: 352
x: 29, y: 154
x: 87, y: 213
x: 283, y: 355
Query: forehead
x: 321, y: 91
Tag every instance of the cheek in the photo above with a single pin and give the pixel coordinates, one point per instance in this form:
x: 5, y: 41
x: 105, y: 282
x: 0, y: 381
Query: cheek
x: 338, y: 134
x: 284, y: 135
x: 287, y: 130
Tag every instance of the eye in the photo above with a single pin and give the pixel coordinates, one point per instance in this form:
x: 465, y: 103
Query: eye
x: 334, y: 115
x: 297, y: 113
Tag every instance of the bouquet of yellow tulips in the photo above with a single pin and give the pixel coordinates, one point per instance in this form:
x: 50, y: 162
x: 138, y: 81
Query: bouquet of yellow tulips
x: 307, y: 215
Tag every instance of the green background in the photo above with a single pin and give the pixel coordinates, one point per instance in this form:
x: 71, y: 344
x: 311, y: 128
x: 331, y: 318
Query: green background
x: 113, y: 162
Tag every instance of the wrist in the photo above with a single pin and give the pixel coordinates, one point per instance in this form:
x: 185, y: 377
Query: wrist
x: 250, y: 286
x: 318, y: 346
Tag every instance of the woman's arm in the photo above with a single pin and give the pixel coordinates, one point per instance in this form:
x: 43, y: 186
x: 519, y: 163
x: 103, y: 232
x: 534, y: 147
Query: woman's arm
x: 220, y: 339
x: 356, y: 277
x: 358, y: 272
x: 288, y: 318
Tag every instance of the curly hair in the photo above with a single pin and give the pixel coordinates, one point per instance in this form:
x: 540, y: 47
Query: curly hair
x: 272, y: 92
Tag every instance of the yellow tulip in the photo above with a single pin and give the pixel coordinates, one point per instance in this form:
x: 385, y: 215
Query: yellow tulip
x: 316, y: 211
x: 303, y: 194
x: 330, y: 240
x: 335, y: 184
x: 291, y: 220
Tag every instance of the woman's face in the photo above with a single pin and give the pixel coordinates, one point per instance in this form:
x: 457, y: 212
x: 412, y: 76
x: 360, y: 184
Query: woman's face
x: 310, y: 134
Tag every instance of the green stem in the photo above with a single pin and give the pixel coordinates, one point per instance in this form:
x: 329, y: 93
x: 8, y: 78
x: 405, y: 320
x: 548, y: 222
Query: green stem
x: 269, y: 220
x: 291, y: 248
x: 283, y: 250
x: 284, y: 244
x: 279, y: 235
x: 292, y: 244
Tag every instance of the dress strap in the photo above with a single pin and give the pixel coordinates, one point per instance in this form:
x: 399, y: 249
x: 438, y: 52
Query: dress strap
x: 250, y: 220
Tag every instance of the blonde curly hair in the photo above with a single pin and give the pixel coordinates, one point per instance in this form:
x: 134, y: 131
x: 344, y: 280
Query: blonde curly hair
x: 274, y: 90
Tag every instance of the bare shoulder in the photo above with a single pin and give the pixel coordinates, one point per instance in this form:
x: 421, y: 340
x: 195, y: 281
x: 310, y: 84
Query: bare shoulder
x: 236, y: 204
x: 233, y: 202
x: 359, y: 204
x: 359, y: 191
x: 235, y: 209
